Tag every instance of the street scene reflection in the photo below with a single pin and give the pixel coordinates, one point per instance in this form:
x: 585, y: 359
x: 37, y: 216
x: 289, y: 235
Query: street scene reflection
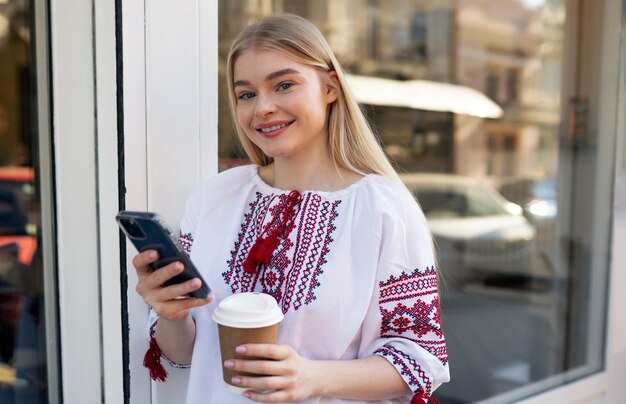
x: 465, y: 97
x: 481, y: 237
x: 22, y: 322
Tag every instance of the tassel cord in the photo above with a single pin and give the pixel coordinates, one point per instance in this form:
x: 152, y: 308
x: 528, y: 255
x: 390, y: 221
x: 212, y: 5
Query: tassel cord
x: 264, y: 246
x: 152, y: 361
x: 423, y: 398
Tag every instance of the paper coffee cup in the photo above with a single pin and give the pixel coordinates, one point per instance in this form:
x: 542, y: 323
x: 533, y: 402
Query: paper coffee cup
x: 242, y: 318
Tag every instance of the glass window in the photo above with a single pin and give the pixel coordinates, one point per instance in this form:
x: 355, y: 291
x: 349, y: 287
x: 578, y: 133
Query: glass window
x: 503, y: 193
x: 23, y: 366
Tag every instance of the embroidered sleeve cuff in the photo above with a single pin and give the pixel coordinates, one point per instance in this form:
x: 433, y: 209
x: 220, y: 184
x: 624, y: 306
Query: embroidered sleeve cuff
x: 412, y: 373
x: 173, y: 364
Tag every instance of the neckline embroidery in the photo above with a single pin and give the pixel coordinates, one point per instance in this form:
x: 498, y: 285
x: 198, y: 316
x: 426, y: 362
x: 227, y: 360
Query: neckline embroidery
x: 265, y: 244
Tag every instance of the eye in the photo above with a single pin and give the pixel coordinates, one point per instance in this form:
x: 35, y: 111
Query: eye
x: 245, y: 96
x: 284, y: 85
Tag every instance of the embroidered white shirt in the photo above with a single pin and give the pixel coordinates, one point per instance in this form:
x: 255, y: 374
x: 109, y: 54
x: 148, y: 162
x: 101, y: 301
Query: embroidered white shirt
x: 355, y: 277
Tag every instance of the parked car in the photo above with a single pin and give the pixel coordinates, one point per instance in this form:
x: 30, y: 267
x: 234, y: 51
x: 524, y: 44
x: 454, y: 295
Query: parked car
x: 537, y: 196
x: 479, y: 234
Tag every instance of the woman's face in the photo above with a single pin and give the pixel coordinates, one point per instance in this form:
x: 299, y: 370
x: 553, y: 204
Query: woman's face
x: 282, y: 105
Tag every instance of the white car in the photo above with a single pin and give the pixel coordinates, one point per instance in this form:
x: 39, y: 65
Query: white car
x: 479, y: 234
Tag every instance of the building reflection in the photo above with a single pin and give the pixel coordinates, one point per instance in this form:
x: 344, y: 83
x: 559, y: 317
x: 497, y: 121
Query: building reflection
x: 509, y: 52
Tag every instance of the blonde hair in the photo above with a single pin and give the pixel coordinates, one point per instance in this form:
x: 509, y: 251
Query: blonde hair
x: 352, y: 143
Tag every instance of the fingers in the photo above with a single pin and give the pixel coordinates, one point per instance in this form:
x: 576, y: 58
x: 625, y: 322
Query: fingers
x: 177, y: 309
x: 269, y: 351
x: 154, y: 293
x: 167, y: 301
x: 267, y: 389
x: 260, y: 367
x: 175, y: 291
x: 156, y: 279
x: 280, y: 396
x: 273, y: 362
x: 282, y: 373
x: 142, y: 261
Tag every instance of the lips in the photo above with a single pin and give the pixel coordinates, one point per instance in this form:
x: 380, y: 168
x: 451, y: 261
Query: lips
x: 272, y: 128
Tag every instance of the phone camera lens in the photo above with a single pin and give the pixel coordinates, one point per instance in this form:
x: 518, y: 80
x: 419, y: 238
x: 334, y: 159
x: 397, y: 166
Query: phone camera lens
x: 132, y: 228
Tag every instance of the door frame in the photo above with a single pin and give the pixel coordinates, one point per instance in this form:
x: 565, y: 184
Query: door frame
x: 83, y: 100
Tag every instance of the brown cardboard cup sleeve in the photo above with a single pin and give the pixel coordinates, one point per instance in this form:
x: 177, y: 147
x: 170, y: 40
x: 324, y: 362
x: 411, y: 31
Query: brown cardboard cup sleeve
x: 249, y: 317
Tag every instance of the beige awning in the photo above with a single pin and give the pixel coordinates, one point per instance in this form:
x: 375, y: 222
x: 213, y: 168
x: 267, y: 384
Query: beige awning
x: 423, y: 94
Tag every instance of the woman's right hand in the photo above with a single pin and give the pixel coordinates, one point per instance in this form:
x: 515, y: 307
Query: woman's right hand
x: 169, y: 302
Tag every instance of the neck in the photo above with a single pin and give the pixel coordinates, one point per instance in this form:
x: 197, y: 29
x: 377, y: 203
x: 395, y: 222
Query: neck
x: 318, y: 175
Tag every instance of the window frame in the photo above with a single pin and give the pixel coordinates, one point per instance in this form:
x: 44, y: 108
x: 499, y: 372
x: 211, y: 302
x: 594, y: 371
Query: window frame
x: 46, y: 184
x: 147, y: 62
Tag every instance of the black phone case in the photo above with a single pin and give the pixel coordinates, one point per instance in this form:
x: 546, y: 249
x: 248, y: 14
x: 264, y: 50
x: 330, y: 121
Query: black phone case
x: 158, y: 237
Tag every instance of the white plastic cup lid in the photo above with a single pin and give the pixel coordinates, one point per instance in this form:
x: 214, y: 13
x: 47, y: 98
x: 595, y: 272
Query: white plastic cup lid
x: 248, y: 310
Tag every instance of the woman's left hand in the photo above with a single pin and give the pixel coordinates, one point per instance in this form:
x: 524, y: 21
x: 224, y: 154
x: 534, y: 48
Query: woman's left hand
x: 282, y: 371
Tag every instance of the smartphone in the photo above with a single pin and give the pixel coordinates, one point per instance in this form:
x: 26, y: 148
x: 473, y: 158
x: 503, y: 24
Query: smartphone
x: 148, y: 231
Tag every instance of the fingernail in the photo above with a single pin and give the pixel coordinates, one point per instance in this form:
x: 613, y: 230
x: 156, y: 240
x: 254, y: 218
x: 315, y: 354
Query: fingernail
x: 176, y: 268
x: 236, y: 380
x: 246, y: 394
x: 240, y: 349
x: 195, y: 282
x: 229, y: 364
x: 152, y: 254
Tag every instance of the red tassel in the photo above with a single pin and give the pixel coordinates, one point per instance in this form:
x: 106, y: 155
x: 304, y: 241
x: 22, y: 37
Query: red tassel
x: 263, y: 248
x: 152, y: 361
x: 266, y: 248
x: 261, y: 252
x: 422, y: 398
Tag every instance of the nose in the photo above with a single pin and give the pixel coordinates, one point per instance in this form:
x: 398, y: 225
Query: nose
x: 264, y: 106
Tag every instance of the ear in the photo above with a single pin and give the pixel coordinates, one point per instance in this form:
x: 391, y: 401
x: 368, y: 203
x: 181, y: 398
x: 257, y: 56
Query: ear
x: 331, y: 90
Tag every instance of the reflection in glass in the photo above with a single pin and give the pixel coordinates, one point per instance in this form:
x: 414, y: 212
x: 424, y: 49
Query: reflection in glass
x: 22, y: 340
x: 480, y: 235
x: 484, y: 163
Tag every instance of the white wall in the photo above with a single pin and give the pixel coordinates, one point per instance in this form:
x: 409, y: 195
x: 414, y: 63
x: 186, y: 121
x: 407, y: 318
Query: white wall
x: 170, y: 135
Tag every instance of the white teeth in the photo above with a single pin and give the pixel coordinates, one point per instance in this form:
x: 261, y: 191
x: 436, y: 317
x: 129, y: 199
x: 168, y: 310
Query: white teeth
x: 273, y: 128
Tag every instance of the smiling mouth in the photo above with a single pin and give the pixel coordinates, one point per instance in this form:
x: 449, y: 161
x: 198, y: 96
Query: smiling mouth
x: 273, y: 128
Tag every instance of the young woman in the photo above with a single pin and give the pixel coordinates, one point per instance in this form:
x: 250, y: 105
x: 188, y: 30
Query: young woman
x: 351, y: 261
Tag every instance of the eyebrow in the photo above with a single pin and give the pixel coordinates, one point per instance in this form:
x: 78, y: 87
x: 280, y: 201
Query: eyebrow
x: 269, y: 77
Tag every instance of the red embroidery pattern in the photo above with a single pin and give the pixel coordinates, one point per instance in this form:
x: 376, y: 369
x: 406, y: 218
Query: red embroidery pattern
x: 245, y: 239
x: 186, y: 241
x: 409, y: 306
x: 410, y: 370
x: 296, y: 266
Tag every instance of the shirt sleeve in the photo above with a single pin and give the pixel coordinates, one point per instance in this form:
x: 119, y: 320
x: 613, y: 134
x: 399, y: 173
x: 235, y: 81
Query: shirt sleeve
x: 403, y: 323
x: 185, y: 239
